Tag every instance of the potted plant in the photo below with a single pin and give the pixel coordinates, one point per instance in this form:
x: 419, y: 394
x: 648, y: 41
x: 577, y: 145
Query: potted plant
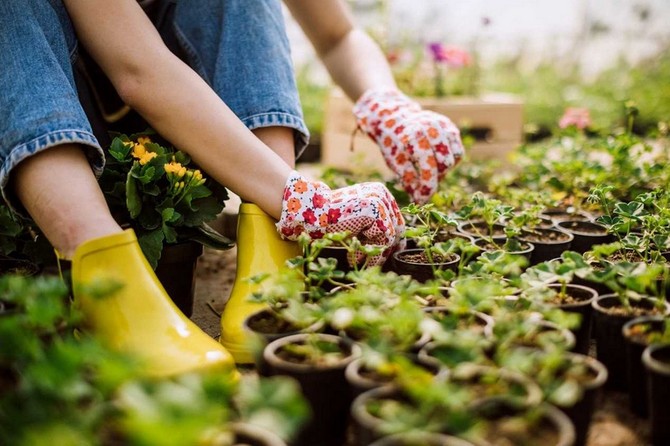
x: 153, y: 189
x: 656, y: 360
x: 565, y: 295
x: 570, y: 381
x: 317, y: 361
x: 638, y: 334
x: 634, y: 283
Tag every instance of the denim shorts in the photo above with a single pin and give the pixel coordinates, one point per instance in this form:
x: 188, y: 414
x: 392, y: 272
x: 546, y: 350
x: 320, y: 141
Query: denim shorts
x: 239, y: 47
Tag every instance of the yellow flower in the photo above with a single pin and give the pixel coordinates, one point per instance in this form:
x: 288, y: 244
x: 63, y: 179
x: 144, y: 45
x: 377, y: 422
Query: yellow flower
x: 143, y: 140
x: 175, y: 168
x: 148, y: 156
x: 139, y: 150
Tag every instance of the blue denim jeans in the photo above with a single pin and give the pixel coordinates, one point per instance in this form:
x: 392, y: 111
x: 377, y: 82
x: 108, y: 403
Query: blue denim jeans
x: 239, y: 47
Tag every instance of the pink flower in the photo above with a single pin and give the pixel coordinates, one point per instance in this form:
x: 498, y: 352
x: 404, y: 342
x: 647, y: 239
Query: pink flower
x: 573, y: 116
x: 450, y: 55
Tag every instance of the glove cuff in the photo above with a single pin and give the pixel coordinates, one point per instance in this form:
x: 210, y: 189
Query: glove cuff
x: 375, y: 103
x: 303, y: 207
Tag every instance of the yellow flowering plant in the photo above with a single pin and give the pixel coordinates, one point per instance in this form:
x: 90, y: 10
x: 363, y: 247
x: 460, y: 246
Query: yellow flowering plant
x: 155, y: 189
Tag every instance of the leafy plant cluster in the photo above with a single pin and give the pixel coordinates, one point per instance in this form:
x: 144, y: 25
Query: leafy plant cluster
x: 58, y: 387
x: 157, y: 191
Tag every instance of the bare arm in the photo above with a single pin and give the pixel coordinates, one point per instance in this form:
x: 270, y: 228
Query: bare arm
x: 353, y: 59
x: 176, y: 101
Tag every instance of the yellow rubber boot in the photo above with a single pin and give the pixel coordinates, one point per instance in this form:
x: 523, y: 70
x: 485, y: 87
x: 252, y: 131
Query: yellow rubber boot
x: 260, y: 249
x: 140, y: 318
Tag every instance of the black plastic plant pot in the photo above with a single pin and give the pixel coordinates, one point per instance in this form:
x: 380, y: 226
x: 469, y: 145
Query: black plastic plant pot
x: 551, y: 428
x: 636, y: 342
x: 586, y: 233
x: 421, y: 439
x: 549, y: 243
x: 496, y: 386
x: 412, y: 262
x: 498, y: 244
x: 17, y: 267
x: 362, y: 378
x: 581, y: 412
x: 581, y: 299
x: 656, y: 360
x: 267, y: 326
x: 322, y: 383
x: 558, y: 215
x: 176, y: 272
x: 251, y: 435
x: 366, y: 426
x: 609, y: 317
x: 442, y: 236
x: 479, y: 229
x: 546, y: 335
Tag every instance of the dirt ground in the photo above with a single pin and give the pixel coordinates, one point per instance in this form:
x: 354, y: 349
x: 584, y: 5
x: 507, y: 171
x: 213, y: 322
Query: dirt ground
x: 613, y: 424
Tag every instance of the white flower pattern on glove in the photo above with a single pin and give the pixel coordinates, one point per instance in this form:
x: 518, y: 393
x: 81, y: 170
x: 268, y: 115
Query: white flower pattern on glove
x: 418, y: 145
x: 367, y: 211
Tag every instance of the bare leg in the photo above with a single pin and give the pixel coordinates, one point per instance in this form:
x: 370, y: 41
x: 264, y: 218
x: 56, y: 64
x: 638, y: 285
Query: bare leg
x: 280, y: 140
x: 59, y: 190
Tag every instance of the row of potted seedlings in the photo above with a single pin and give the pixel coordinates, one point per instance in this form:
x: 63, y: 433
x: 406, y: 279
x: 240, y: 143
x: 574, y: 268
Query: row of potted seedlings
x: 467, y: 302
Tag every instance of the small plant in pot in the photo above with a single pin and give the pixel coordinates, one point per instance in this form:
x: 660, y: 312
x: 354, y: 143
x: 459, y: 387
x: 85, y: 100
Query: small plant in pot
x: 569, y: 381
x: 424, y: 262
x: 634, y: 285
x: 317, y: 361
x: 427, y: 221
x: 561, y: 293
x: 484, y: 216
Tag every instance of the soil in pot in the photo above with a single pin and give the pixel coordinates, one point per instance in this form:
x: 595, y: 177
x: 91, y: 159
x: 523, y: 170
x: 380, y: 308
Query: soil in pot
x: 480, y: 229
x: 577, y: 299
x: 363, y: 377
x: 656, y: 360
x: 516, y: 247
x: 491, y: 386
x: 268, y: 325
x: 317, y: 361
x: 415, y: 262
x: 549, y: 243
x: 17, y: 267
x: 586, y: 234
x: 609, y: 317
x: 639, y: 333
x: 560, y: 214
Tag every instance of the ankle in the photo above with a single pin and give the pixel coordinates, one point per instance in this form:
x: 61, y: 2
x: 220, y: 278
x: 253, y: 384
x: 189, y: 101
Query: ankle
x: 75, y: 237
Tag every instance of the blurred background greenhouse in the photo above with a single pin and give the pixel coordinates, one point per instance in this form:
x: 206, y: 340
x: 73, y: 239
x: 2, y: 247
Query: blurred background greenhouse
x: 594, y: 54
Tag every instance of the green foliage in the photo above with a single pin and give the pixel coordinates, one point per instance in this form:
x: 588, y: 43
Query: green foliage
x: 154, y: 188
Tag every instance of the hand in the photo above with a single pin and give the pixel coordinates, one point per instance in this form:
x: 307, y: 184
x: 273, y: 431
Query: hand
x: 418, y: 145
x: 367, y: 211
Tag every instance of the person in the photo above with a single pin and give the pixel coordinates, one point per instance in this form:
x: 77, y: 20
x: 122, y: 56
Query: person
x: 231, y: 103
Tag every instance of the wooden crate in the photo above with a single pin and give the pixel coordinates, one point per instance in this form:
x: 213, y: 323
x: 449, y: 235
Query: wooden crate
x: 495, y: 120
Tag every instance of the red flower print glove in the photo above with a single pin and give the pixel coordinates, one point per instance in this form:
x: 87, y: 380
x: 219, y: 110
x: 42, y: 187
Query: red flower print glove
x: 418, y: 145
x: 367, y: 211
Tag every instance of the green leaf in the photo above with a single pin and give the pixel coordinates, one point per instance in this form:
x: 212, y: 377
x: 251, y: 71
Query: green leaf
x: 133, y: 199
x: 118, y: 150
x: 205, y: 209
x: 152, y: 245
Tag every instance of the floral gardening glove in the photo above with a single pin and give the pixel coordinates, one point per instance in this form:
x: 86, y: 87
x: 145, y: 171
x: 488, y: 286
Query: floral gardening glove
x: 418, y: 145
x: 367, y: 211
